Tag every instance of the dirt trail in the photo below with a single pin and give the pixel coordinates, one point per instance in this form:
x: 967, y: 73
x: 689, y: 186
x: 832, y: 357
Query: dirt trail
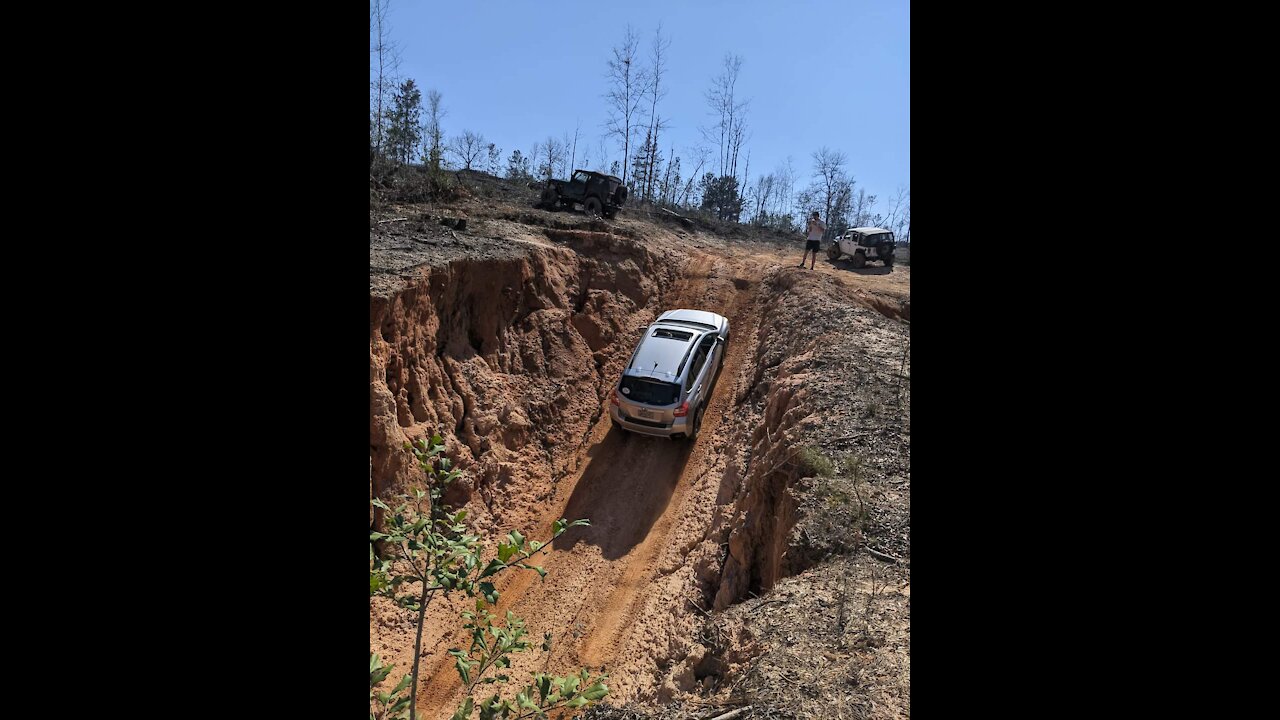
x: 634, y: 490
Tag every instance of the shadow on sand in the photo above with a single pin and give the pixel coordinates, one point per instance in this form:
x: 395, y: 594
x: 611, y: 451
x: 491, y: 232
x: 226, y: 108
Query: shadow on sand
x: 623, y: 491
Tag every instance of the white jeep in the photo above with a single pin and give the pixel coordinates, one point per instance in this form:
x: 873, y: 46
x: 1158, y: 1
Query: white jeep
x: 863, y: 244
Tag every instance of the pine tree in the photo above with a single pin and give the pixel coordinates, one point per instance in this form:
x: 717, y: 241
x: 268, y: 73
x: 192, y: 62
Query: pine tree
x: 404, y: 122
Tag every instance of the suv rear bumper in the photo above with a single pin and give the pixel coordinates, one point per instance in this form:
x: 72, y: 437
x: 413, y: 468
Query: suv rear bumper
x: 677, y: 429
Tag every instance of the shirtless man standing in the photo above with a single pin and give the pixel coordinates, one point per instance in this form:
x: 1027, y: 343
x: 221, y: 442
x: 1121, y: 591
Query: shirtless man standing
x: 816, y: 229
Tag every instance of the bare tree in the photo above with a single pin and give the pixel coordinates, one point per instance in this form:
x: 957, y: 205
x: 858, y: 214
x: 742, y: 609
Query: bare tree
x: 862, y: 208
x: 469, y: 148
x: 701, y: 154
x: 667, y: 193
x: 831, y: 190
x: 384, y: 66
x: 573, y: 156
x: 495, y: 158
x: 786, y: 186
x: 729, y: 130
x: 737, y: 138
x: 549, y: 157
x: 564, y: 155
x: 602, y: 150
x: 628, y: 83
x: 896, y: 204
x: 433, y: 132
x: 657, y: 52
x: 764, y: 189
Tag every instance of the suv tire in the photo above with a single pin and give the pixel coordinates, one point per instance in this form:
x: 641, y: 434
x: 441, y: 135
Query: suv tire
x: 592, y: 205
x: 833, y: 252
x: 697, y: 426
x: 859, y: 259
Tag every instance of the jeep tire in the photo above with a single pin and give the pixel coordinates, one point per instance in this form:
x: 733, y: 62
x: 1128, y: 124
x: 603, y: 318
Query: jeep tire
x: 592, y: 205
x: 550, y: 199
x: 833, y: 252
x: 859, y: 259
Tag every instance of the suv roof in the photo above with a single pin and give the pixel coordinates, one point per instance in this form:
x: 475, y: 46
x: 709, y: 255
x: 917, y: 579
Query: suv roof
x: 669, y: 341
x: 870, y: 230
x: 663, y: 351
x: 599, y: 174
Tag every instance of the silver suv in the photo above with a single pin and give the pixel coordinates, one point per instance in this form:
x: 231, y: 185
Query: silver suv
x: 667, y: 384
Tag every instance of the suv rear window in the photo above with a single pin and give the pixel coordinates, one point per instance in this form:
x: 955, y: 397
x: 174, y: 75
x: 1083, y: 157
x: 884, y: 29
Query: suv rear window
x: 672, y: 334
x: 649, y: 392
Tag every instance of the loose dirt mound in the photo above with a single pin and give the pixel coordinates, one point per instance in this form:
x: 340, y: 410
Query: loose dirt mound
x: 509, y: 335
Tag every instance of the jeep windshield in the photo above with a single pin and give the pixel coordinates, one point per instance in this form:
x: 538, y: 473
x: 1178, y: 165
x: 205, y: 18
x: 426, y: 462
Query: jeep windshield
x: 649, y: 392
x: 580, y: 177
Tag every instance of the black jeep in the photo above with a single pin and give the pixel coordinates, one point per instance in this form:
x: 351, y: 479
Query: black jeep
x: 599, y: 194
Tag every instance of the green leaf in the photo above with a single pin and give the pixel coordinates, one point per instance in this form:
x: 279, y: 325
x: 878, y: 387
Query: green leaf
x: 404, y: 683
x: 464, y: 710
x: 542, y: 572
x: 596, y: 691
x: 464, y: 671
x: 378, y: 503
x: 505, y: 552
x: 576, y: 702
x: 489, y: 592
x: 517, y: 537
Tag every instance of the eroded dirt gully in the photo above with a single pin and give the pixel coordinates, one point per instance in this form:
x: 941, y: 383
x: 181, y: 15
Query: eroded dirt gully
x: 510, y: 336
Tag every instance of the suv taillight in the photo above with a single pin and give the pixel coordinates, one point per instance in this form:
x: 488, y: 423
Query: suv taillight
x: 683, y: 410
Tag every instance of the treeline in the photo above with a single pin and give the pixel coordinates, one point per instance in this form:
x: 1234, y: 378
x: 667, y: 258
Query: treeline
x: 713, y: 176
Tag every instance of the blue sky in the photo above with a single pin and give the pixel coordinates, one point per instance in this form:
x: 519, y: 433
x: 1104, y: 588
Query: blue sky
x: 817, y: 72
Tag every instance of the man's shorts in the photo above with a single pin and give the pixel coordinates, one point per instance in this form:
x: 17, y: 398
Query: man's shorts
x: 813, y: 245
